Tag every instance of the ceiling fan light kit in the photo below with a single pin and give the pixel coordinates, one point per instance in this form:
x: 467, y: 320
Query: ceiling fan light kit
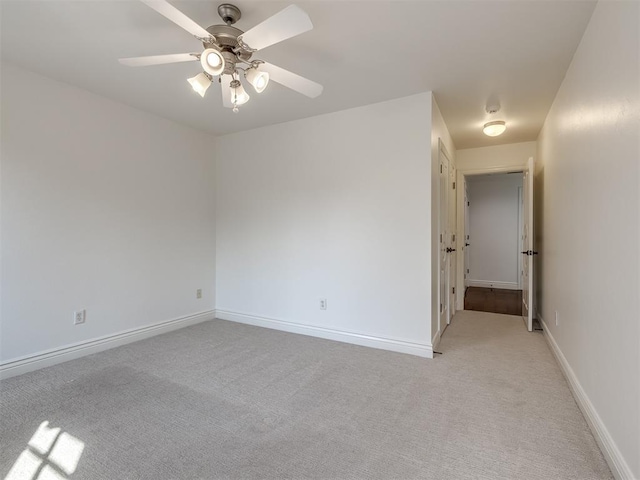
x: 228, y: 50
x: 238, y: 94
x: 200, y: 83
x: 258, y: 80
x: 212, y: 61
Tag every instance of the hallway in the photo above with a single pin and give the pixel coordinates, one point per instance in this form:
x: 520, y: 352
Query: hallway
x: 515, y: 415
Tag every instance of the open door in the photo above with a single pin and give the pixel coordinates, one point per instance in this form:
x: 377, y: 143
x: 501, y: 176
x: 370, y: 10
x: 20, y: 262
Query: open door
x: 467, y: 238
x: 453, y: 270
x: 527, y: 246
x: 444, y: 317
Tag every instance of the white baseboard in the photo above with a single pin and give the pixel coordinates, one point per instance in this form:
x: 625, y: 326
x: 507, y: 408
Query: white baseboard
x: 612, y: 455
x: 418, y: 349
x: 48, y: 358
x: 492, y: 284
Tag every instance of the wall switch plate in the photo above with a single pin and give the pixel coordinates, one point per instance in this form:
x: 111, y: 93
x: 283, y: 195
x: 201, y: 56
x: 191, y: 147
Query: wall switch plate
x: 199, y: 293
x: 323, y: 304
x: 557, y: 319
x: 79, y: 317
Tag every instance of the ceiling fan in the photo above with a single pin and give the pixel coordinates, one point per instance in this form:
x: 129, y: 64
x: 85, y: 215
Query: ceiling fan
x: 229, y: 51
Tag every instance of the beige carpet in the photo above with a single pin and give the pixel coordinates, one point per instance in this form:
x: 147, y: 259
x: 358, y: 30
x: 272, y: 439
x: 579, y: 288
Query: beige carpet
x: 224, y: 400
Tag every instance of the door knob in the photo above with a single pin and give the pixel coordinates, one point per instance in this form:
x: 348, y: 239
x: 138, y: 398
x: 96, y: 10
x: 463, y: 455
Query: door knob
x: 526, y: 253
x: 449, y: 250
x: 467, y: 244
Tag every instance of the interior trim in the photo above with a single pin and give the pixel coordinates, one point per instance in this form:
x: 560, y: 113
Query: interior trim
x: 48, y: 358
x: 617, y: 463
x: 419, y: 349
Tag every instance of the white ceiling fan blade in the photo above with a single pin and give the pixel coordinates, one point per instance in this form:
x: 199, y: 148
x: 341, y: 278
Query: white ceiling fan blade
x: 225, y: 84
x: 285, y: 24
x: 292, y: 80
x: 158, y: 59
x: 177, y: 17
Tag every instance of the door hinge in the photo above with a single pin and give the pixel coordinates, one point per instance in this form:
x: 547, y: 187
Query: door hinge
x: 468, y: 204
x: 454, y: 290
x: 440, y: 168
x: 454, y: 185
x: 440, y: 238
x: 454, y: 238
x: 467, y: 270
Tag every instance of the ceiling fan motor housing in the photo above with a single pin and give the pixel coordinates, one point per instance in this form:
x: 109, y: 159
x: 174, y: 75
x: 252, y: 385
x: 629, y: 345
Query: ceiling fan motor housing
x: 226, y: 38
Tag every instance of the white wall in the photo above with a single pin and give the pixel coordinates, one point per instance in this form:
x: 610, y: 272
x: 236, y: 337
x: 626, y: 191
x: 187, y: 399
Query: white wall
x: 497, y: 156
x: 493, y: 227
x: 440, y: 131
x: 337, y: 207
x: 104, y: 208
x: 587, y: 181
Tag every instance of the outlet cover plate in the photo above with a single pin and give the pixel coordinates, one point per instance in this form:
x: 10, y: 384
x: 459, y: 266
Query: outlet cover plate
x: 79, y: 317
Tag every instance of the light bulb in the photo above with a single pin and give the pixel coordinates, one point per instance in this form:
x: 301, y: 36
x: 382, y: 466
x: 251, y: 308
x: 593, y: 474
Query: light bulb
x: 259, y: 80
x: 212, y: 61
x: 200, y: 83
x: 493, y: 129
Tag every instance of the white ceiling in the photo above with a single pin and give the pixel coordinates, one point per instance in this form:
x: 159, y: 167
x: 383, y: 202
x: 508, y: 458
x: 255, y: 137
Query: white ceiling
x: 361, y: 51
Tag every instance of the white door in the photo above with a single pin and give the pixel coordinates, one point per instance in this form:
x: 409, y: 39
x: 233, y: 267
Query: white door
x: 452, y: 237
x: 520, y: 236
x: 467, y: 240
x: 527, y: 246
x: 444, y: 245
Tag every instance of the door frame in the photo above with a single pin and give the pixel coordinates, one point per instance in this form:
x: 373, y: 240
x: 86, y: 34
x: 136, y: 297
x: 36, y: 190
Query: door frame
x: 461, y: 178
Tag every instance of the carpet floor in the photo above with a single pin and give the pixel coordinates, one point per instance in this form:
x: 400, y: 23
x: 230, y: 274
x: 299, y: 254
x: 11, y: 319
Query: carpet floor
x: 225, y: 400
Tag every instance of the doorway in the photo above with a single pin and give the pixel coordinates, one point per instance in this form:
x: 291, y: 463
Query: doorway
x: 495, y: 247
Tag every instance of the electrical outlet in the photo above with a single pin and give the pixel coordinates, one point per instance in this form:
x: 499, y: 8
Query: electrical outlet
x: 79, y: 317
x: 199, y: 293
x: 323, y: 304
x: 557, y: 319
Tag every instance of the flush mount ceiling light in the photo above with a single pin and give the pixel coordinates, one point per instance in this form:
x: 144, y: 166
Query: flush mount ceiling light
x: 228, y: 51
x: 493, y: 129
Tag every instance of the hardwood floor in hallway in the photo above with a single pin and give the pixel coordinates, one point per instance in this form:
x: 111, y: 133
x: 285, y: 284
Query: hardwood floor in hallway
x: 493, y: 300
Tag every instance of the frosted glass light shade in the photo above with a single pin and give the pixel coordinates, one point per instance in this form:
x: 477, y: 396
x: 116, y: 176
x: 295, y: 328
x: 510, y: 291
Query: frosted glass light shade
x: 212, y: 61
x: 239, y: 96
x: 493, y: 129
x: 259, y: 80
x: 200, y: 83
